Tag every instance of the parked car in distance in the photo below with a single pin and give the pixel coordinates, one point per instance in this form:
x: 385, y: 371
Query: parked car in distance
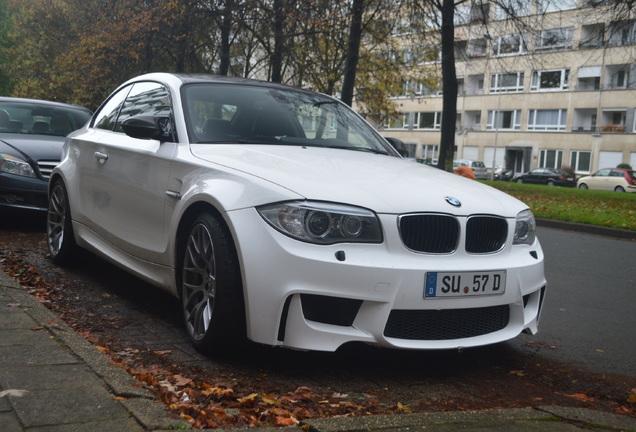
x: 32, y: 133
x: 547, y: 176
x: 280, y: 216
x: 611, y: 179
x: 479, y: 168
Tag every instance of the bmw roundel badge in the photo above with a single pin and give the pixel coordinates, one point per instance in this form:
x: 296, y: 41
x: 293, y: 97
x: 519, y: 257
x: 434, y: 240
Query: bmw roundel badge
x: 453, y: 201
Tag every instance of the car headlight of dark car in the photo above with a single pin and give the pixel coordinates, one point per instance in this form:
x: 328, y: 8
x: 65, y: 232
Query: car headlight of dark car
x: 323, y: 223
x: 525, y: 228
x: 14, y: 165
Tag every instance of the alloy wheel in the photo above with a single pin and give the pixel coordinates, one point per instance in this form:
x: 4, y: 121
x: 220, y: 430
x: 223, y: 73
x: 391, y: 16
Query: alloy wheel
x: 199, y: 282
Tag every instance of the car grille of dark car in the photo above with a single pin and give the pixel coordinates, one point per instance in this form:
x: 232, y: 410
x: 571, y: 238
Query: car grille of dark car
x: 434, y: 233
x: 46, y: 167
x: 446, y: 324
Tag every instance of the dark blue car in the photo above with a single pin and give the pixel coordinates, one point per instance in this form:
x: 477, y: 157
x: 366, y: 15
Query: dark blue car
x: 32, y: 133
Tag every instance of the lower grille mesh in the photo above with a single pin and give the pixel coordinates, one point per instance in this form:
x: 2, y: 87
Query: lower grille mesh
x: 446, y: 324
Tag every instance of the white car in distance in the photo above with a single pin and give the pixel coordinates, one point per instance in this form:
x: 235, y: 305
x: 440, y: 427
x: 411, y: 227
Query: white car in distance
x: 278, y: 215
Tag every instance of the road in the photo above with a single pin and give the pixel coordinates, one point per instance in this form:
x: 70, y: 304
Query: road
x: 589, y: 316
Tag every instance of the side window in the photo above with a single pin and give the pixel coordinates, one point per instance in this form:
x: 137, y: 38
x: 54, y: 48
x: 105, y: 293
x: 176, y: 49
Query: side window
x: 107, y: 116
x: 145, y: 98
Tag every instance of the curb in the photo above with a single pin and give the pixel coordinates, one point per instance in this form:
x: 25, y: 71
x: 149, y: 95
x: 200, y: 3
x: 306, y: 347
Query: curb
x: 589, y: 229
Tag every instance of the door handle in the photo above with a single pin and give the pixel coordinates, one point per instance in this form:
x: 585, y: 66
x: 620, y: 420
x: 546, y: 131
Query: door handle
x: 101, y: 157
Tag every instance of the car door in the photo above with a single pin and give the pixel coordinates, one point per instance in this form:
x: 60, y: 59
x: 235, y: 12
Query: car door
x: 535, y: 175
x: 599, y: 180
x: 129, y: 176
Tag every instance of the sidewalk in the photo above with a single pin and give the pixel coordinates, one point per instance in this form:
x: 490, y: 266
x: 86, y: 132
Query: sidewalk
x: 52, y: 380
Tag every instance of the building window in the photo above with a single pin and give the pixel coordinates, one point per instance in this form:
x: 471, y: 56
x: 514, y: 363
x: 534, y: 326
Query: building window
x: 512, y: 8
x: 509, y: 45
x: 550, y: 158
x: 613, y: 120
x: 399, y: 122
x: 589, y: 78
x: 547, y: 120
x: 477, y: 48
x: 580, y: 161
x: 618, y: 76
x: 428, y: 120
x: 505, y: 120
x: 556, y: 5
x: 506, y: 83
x: 555, y: 39
x: 622, y: 33
x: 479, y: 13
x: 550, y: 80
x: 430, y: 151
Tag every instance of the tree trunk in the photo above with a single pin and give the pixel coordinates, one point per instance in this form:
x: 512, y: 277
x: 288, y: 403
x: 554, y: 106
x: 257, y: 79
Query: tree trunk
x: 225, y: 27
x: 279, y: 41
x: 353, y: 52
x: 449, y: 83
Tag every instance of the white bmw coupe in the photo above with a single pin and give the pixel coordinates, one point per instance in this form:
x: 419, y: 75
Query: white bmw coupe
x: 280, y: 216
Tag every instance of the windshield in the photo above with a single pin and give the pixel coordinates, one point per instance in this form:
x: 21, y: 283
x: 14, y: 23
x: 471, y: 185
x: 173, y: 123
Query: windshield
x: 24, y: 117
x: 245, y: 114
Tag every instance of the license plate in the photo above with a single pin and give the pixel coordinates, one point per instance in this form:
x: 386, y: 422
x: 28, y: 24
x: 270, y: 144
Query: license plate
x: 462, y: 284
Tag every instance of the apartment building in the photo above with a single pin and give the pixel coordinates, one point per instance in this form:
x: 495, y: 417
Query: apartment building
x: 556, y: 86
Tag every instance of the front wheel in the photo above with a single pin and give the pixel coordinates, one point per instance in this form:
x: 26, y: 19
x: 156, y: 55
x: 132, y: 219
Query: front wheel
x: 210, y: 287
x: 519, y: 180
x: 550, y: 182
x: 59, y: 228
x: 582, y: 186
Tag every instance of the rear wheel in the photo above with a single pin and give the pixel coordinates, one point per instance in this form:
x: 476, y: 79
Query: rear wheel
x: 619, y: 189
x: 210, y: 287
x: 59, y: 229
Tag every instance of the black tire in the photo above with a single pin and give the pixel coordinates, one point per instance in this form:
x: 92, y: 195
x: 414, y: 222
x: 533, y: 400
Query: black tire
x: 59, y: 228
x: 619, y: 189
x: 550, y: 182
x: 210, y: 287
x: 582, y: 186
x: 519, y: 180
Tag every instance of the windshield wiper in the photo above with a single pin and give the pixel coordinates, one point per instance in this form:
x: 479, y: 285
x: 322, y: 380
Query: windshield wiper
x: 361, y: 149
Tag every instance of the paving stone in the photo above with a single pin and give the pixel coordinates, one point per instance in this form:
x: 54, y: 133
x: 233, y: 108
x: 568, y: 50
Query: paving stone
x: 21, y: 336
x: 68, y: 406
x: 9, y: 423
x: 47, y: 377
x: 46, y: 353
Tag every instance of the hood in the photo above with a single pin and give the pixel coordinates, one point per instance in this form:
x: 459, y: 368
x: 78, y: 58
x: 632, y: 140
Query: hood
x: 36, y: 147
x: 381, y: 183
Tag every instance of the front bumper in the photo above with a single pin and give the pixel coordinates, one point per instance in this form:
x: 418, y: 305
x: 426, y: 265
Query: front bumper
x: 306, y: 296
x: 23, y: 192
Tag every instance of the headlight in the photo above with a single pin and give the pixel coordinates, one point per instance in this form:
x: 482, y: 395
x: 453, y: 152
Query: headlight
x: 14, y: 165
x: 525, y: 228
x: 323, y: 223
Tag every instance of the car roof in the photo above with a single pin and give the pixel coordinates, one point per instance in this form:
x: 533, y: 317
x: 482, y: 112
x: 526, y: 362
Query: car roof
x: 41, y: 102
x: 189, y: 78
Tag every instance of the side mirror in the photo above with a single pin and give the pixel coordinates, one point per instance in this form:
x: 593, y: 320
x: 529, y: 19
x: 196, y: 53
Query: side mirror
x: 146, y: 127
x: 399, y: 146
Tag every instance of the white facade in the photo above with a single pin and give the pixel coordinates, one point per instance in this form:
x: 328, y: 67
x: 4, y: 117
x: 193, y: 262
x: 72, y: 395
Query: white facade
x: 560, y: 91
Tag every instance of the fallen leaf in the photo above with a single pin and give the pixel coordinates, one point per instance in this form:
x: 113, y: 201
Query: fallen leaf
x: 404, y: 408
x: 624, y: 410
x: 247, y: 398
x: 517, y: 372
x: 13, y: 392
x: 581, y: 396
x: 163, y: 352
